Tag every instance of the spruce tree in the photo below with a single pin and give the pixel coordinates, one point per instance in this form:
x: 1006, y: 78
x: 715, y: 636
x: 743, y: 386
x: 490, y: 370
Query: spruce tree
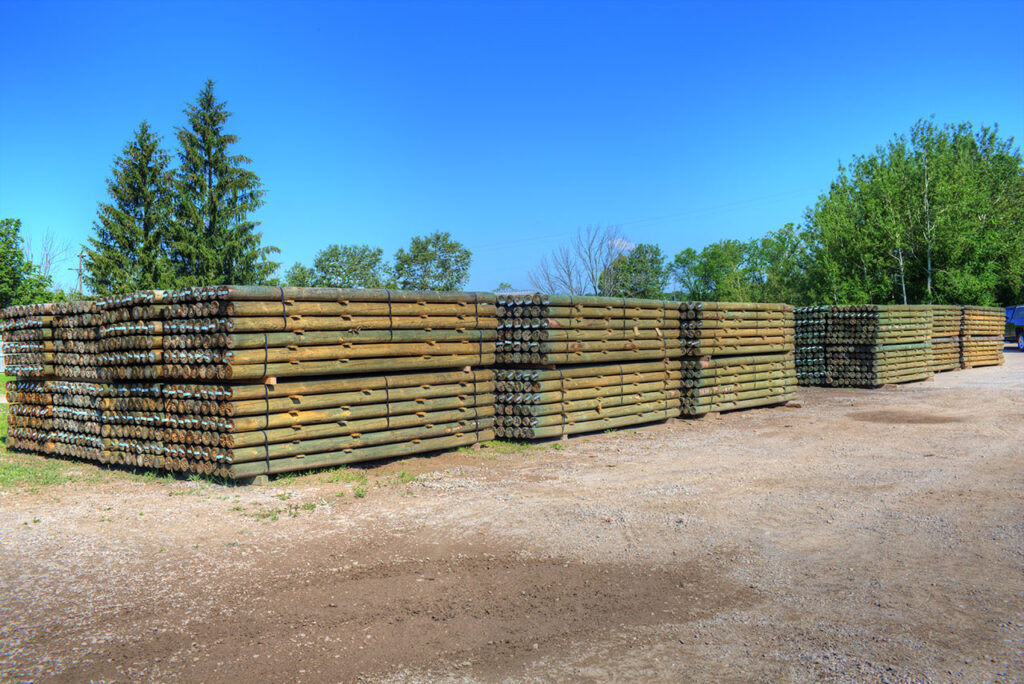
x: 214, y: 240
x: 127, y: 251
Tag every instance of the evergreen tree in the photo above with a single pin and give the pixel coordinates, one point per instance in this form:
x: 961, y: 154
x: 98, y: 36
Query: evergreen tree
x: 215, y: 241
x: 127, y: 251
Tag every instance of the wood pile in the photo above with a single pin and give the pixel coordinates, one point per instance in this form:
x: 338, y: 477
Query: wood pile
x: 239, y: 382
x: 26, y: 333
x: 981, y: 336
x: 739, y: 355
x: 538, y: 403
x: 871, y: 345
x: 571, y: 364
x: 945, y: 337
x: 811, y: 323
x: 541, y: 329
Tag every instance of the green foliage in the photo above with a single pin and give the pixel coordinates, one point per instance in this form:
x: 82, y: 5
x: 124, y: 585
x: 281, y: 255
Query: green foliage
x: 21, y: 281
x: 126, y: 253
x: 434, y: 262
x: 935, y: 216
x: 350, y: 266
x: 503, y: 287
x: 299, y: 276
x: 214, y: 241
x: 641, y: 272
x: 716, y: 273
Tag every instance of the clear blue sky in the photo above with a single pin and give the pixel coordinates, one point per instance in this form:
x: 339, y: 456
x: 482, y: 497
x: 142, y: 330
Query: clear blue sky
x: 508, y: 124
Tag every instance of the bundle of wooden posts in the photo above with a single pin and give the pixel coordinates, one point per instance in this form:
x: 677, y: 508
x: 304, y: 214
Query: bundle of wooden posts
x: 562, y: 329
x: 283, y: 379
x: 250, y: 333
x: 540, y: 403
x: 584, y: 363
x: 811, y: 323
x: 981, y: 336
x: 739, y: 355
x: 26, y: 333
x: 871, y: 345
x: 945, y: 337
x: 244, y: 430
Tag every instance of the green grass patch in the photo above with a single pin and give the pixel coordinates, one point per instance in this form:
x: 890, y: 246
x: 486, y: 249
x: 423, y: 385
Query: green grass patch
x: 502, y: 447
x: 24, y: 470
x: 3, y: 426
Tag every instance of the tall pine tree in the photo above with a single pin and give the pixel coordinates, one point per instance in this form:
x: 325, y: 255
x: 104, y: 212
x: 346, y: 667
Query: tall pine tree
x: 127, y: 251
x: 215, y: 241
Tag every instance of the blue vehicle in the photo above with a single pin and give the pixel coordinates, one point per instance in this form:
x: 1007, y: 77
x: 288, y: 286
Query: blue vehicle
x: 1015, y: 325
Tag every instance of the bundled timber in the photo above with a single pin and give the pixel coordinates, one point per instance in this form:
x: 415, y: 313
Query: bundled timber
x: 864, y: 345
x: 811, y: 325
x: 244, y: 381
x: 739, y: 355
x: 26, y: 333
x: 543, y: 329
x: 240, y: 431
x: 981, y: 336
x: 537, y: 403
x: 249, y: 333
x: 577, y: 364
x: 945, y: 337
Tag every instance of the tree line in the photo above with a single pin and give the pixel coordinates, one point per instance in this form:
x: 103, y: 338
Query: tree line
x: 935, y: 216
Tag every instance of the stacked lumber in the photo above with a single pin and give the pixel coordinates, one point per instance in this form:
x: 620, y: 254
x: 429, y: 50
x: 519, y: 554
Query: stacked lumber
x: 811, y: 324
x: 739, y: 355
x: 871, y: 345
x: 76, y: 340
x: 207, y: 381
x: 26, y: 333
x: 538, y: 403
x: 543, y: 329
x: 241, y: 431
x: 945, y: 337
x: 981, y: 336
x: 29, y: 417
x: 583, y: 363
x: 250, y: 333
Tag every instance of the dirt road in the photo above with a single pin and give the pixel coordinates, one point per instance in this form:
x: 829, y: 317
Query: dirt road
x: 866, y: 535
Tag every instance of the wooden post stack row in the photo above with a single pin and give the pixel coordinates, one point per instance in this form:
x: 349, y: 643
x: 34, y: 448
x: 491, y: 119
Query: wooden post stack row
x: 584, y: 363
x: 811, y: 326
x: 945, y: 337
x: 26, y: 333
x: 739, y: 355
x: 250, y: 333
x: 538, y: 403
x: 981, y: 336
x: 871, y: 345
x: 240, y: 431
x: 310, y: 378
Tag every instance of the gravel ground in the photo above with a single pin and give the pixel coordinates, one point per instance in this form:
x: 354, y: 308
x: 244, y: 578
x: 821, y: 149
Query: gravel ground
x: 861, y: 535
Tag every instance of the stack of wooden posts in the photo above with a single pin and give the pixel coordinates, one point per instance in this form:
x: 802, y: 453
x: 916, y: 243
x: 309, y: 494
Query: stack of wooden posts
x: 76, y: 340
x: 244, y: 430
x: 811, y: 327
x: 541, y: 403
x: 871, y: 345
x: 981, y: 336
x: 739, y: 355
x: 945, y: 337
x: 26, y: 333
x: 250, y: 333
x: 584, y: 363
x: 541, y: 329
x: 309, y: 378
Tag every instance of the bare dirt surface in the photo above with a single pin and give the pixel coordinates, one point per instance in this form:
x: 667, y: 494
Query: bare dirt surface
x: 864, y: 535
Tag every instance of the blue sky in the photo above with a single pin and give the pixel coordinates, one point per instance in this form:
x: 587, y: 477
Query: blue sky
x: 509, y: 125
